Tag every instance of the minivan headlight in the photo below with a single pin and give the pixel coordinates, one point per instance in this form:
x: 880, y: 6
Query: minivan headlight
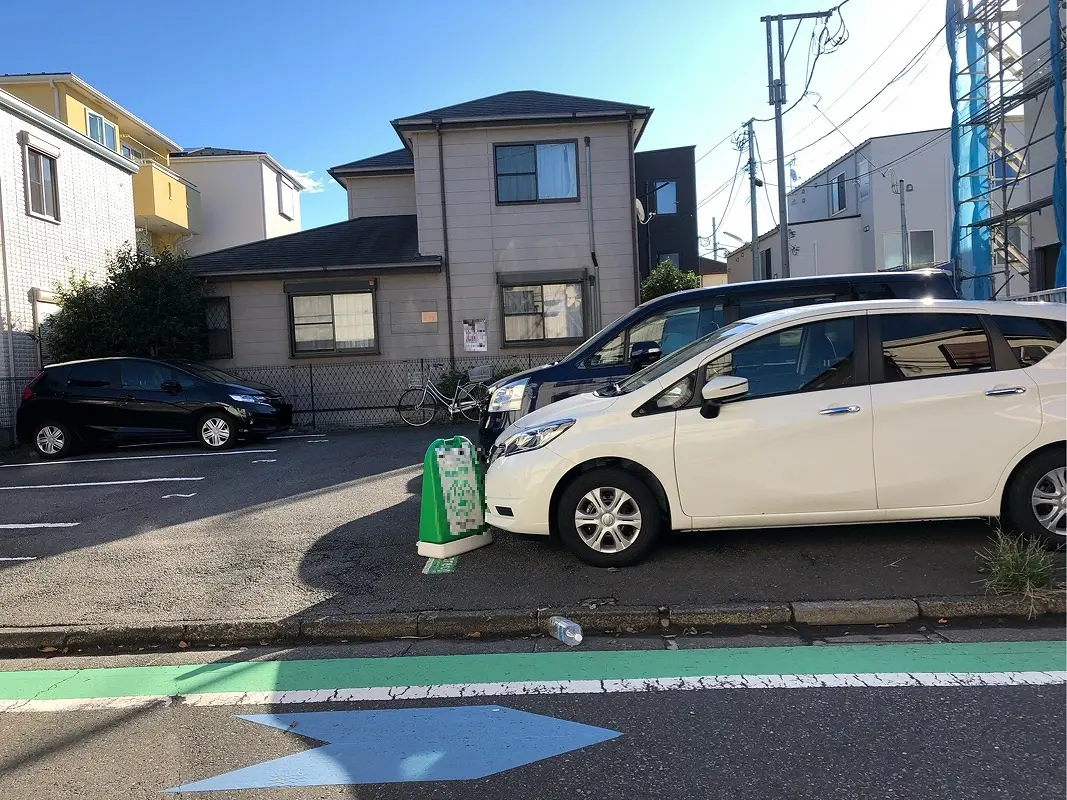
x: 508, y: 397
x: 533, y: 438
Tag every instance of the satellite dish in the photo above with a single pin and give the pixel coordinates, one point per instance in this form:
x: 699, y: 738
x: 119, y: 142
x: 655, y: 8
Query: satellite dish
x: 640, y: 211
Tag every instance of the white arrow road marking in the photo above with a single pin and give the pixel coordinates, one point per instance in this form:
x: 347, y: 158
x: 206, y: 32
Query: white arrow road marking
x: 179, y: 495
x: 136, y: 458
x: 17, y: 525
x: 96, y: 483
x: 264, y: 461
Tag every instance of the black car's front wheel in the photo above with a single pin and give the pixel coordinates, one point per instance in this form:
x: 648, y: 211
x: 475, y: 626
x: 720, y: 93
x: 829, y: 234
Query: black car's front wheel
x: 216, y: 430
x: 53, y: 440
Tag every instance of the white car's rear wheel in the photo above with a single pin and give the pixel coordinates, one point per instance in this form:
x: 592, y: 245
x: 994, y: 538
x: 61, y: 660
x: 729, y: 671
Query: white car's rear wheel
x: 1037, y: 498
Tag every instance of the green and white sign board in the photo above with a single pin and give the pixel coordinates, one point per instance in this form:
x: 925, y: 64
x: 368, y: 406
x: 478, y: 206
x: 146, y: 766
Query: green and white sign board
x: 452, y: 519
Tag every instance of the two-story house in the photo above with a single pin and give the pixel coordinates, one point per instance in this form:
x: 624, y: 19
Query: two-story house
x: 502, y: 225
x: 166, y: 205
x: 847, y: 217
x: 245, y: 196
x: 66, y: 206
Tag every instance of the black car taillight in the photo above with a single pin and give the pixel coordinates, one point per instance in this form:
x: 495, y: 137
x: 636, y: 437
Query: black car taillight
x: 27, y: 393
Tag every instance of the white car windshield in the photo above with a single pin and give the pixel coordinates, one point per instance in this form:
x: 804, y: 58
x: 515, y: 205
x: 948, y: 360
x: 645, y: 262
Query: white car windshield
x: 654, y: 372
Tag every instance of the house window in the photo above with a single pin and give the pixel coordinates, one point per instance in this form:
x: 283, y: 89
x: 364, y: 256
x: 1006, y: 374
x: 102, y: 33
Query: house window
x: 219, y: 332
x: 838, y: 196
x: 765, y: 263
x: 666, y: 194
x: 920, y: 246
x: 864, y: 177
x: 331, y: 323
x: 286, y: 199
x: 41, y: 182
x: 543, y: 312
x: 100, y: 130
x: 536, y: 173
x: 672, y: 257
x: 132, y: 153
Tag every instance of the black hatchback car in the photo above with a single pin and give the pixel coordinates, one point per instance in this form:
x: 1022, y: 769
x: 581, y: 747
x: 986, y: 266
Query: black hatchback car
x: 139, y: 399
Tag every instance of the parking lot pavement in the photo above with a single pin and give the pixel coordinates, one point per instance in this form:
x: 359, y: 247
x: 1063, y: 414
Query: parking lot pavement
x: 327, y: 524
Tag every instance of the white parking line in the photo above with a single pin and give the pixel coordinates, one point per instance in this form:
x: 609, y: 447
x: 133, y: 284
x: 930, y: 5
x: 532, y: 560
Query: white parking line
x: 20, y: 558
x: 319, y: 441
x: 168, y: 496
x: 295, y: 436
x: 136, y: 458
x: 95, y: 483
x: 11, y: 526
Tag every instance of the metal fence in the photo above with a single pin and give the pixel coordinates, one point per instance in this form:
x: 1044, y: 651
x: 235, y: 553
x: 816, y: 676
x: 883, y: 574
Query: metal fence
x: 1046, y: 296
x: 335, y: 396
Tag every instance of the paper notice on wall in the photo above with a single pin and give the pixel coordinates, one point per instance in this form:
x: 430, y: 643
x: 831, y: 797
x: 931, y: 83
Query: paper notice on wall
x: 475, y: 339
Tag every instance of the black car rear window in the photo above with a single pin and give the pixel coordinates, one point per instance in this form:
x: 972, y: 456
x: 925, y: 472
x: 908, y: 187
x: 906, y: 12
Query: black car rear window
x: 92, y: 375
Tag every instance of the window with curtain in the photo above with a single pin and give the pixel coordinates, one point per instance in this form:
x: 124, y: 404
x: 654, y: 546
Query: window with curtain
x: 329, y: 323
x: 536, y: 173
x: 44, y: 194
x: 543, y: 312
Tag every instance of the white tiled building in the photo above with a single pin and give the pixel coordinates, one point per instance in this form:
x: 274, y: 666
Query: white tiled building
x: 66, y: 206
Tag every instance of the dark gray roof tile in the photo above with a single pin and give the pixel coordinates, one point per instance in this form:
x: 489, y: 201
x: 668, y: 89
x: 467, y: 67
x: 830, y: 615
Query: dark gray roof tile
x: 524, y: 104
x: 356, y: 243
x: 394, y: 159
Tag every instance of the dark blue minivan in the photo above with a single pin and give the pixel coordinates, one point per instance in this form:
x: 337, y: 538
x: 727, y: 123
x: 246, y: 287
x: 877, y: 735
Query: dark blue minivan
x: 661, y: 326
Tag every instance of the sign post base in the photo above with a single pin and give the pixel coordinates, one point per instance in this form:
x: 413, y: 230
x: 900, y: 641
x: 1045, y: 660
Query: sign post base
x: 454, y: 548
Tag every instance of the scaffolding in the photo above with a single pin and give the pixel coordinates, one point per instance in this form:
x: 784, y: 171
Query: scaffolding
x: 1003, y: 80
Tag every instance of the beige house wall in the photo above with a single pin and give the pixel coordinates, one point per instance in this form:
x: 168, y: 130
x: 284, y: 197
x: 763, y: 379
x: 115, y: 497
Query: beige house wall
x: 380, y: 195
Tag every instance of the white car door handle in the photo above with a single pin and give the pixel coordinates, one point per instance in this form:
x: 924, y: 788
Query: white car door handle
x: 1005, y: 390
x: 826, y: 412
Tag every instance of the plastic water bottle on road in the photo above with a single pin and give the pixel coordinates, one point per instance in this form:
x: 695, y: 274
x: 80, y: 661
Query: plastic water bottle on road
x: 568, y: 632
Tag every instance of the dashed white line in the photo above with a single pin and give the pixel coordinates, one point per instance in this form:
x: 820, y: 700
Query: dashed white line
x: 296, y: 436
x: 318, y: 441
x: 20, y: 558
x: 11, y: 526
x: 265, y: 461
x: 96, y: 483
x: 167, y: 496
x: 137, y: 458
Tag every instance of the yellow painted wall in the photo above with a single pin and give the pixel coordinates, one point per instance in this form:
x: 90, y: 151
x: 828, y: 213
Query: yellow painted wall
x: 156, y: 194
x: 37, y: 95
x: 76, y: 104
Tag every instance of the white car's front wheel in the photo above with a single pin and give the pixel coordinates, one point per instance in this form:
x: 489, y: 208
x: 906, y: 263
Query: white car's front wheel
x: 1037, y: 498
x: 608, y: 518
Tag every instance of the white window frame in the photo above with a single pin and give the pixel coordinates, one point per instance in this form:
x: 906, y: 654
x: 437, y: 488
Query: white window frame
x: 838, y: 187
x: 135, y: 154
x: 104, y: 124
x: 31, y: 144
x: 286, y: 191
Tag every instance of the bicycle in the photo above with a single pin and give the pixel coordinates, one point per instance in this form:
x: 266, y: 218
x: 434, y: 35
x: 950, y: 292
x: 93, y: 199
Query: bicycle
x: 418, y: 406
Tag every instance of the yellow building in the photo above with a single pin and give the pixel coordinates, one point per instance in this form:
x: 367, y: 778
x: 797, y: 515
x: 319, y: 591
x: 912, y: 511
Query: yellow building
x: 166, y: 205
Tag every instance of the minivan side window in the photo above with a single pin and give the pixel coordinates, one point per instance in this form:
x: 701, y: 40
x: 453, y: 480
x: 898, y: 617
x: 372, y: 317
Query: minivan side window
x: 93, y: 375
x: 757, y: 304
x: 671, y: 329
x: 933, y: 345
x: 1031, y: 338
x: 804, y: 358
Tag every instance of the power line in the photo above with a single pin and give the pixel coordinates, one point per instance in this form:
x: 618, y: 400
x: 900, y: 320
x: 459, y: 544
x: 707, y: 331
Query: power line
x: 733, y: 185
x: 766, y: 191
x: 718, y: 144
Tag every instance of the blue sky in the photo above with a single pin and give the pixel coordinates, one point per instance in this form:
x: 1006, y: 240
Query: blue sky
x: 316, y: 83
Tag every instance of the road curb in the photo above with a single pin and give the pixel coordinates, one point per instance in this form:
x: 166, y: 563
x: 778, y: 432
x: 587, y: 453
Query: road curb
x: 519, y: 622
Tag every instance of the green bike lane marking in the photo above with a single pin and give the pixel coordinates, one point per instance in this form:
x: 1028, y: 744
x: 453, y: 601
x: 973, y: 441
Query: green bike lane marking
x: 415, y: 677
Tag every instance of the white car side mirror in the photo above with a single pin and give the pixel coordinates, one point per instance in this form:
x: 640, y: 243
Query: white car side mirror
x: 724, y: 387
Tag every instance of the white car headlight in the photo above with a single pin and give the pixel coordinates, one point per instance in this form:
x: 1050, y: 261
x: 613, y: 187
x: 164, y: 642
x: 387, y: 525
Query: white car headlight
x: 508, y: 397
x: 533, y: 438
x: 248, y: 398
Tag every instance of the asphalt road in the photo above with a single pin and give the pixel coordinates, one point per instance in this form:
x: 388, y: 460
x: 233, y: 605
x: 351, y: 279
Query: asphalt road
x: 327, y: 524
x: 936, y: 741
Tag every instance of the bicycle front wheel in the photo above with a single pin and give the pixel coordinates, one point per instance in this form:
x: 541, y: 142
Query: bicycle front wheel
x: 470, y: 398
x: 416, y: 407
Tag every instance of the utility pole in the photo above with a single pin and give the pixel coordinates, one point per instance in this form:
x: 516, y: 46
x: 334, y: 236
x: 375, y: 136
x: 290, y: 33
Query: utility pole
x: 776, y: 89
x: 752, y: 184
x: 904, y: 248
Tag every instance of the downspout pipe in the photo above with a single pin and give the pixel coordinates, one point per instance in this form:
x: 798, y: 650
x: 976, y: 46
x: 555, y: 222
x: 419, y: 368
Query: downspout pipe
x: 445, y: 259
x: 8, y: 326
x: 596, y: 321
x: 55, y: 99
x: 633, y: 216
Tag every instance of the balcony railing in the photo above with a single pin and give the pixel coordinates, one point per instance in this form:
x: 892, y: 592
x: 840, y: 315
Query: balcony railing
x: 1046, y: 296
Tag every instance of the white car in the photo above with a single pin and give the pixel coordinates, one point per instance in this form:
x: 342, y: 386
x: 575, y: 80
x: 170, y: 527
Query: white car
x: 841, y: 413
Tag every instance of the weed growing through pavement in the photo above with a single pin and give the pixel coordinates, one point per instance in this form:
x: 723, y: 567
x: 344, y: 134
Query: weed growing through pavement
x: 1021, y: 566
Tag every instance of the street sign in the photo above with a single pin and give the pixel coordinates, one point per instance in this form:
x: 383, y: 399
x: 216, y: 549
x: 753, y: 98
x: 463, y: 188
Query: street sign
x: 407, y: 745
